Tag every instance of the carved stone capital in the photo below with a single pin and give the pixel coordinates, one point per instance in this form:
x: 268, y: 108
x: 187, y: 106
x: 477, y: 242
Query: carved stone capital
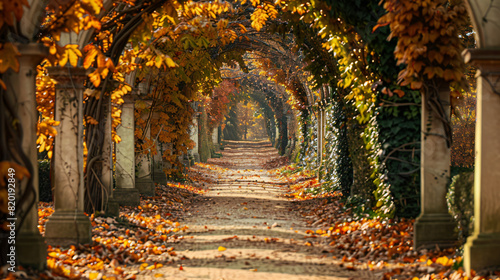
x: 69, y: 77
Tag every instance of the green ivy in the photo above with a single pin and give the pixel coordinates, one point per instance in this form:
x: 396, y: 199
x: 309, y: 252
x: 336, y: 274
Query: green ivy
x: 336, y: 173
x: 397, y: 175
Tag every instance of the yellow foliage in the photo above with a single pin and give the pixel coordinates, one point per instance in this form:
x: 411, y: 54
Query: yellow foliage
x: 71, y: 53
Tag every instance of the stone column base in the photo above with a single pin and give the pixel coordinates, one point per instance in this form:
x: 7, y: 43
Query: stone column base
x: 146, y: 186
x: 434, y: 229
x: 482, y: 252
x: 66, y: 228
x: 31, y: 250
x: 127, y: 197
x: 113, y: 208
x: 196, y: 157
x: 159, y: 177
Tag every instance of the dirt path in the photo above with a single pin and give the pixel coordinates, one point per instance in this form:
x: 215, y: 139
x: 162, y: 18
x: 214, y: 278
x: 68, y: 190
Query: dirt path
x: 262, y: 235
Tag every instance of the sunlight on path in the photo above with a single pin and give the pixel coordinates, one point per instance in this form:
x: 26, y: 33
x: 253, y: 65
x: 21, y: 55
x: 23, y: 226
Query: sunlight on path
x: 243, y: 227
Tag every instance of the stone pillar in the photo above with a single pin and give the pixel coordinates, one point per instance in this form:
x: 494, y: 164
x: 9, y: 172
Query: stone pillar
x: 112, y: 207
x: 482, y: 249
x: 434, y: 226
x: 195, y: 152
x: 203, y: 138
x: 143, y: 181
x: 68, y: 224
x: 215, y: 138
x: 30, y: 246
x: 125, y: 192
x: 158, y: 173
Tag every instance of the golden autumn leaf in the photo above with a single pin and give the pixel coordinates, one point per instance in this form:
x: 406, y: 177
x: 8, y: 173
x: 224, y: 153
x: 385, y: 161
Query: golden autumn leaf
x: 93, y: 275
x: 91, y: 53
x: 71, y: 54
x: 94, y: 5
x: 8, y: 57
x: 170, y: 62
x: 158, y: 61
x: 221, y: 248
x: 117, y: 139
x: 91, y: 120
x: 104, y: 72
x: 95, y: 78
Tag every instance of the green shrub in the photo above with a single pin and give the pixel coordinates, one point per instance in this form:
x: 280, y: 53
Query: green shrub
x: 44, y: 185
x: 460, y: 200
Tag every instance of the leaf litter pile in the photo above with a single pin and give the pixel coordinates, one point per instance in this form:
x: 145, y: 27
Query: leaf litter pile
x: 373, y: 244
x: 140, y: 240
x: 143, y: 239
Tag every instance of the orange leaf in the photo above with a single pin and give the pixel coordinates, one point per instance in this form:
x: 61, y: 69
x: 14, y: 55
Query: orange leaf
x: 92, y: 52
x: 416, y: 85
x: 448, y: 75
x: 399, y: 92
x: 95, y: 78
x: 8, y: 58
x: 379, y: 25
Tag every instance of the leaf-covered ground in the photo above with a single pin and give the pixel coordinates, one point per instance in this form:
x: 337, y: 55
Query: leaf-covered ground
x: 243, y: 217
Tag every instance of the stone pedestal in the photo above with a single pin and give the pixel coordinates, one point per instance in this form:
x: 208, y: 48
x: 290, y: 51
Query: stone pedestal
x: 434, y: 226
x: 30, y: 246
x: 125, y: 192
x: 143, y: 182
x: 145, y: 186
x: 482, y: 249
x: 68, y: 224
x: 158, y: 176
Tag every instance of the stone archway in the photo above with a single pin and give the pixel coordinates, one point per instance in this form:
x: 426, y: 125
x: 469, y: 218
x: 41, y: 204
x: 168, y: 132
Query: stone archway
x: 483, y: 247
